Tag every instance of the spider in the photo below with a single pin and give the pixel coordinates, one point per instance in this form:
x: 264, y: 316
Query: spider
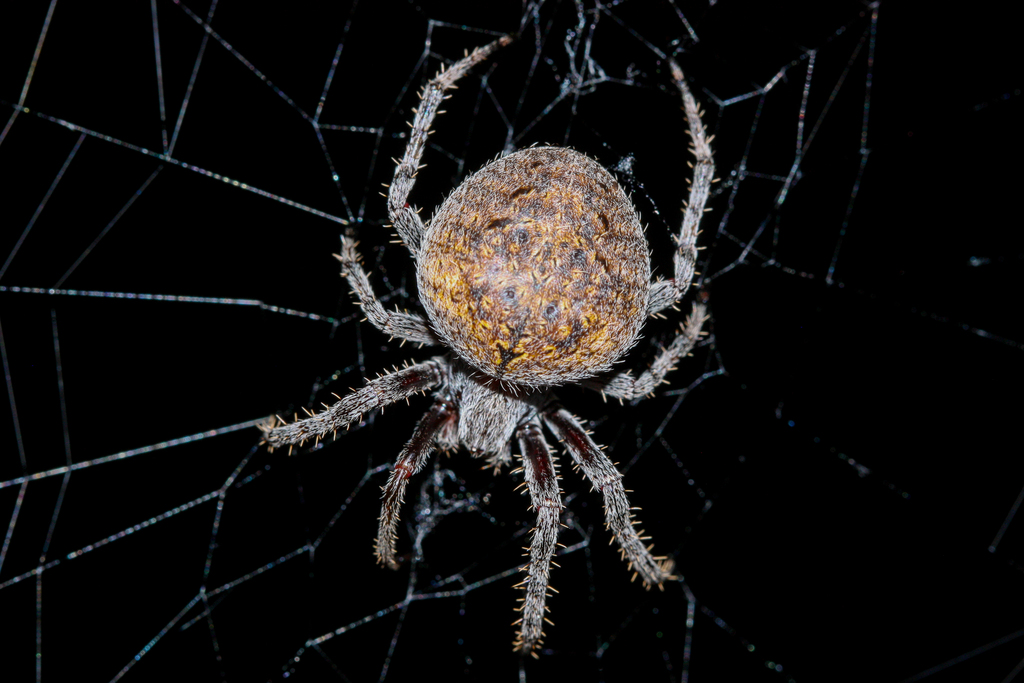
x: 534, y: 273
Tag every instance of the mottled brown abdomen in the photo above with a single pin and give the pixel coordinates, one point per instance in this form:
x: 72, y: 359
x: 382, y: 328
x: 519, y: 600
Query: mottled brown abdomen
x: 535, y: 269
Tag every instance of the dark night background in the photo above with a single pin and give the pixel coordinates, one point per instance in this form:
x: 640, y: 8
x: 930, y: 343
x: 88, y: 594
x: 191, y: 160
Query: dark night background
x: 830, y: 492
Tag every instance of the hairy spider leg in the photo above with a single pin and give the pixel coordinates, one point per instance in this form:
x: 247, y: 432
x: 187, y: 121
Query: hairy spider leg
x: 404, y: 217
x: 542, y: 481
x: 379, y: 392
x: 411, y: 460
x: 538, y: 463
x: 624, y: 386
x: 402, y: 324
x: 665, y: 293
x: 617, y: 512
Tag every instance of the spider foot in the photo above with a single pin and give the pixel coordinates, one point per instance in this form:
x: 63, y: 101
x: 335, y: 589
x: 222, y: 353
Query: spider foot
x: 528, y: 644
x: 386, y: 554
x: 268, y: 425
x: 524, y: 648
x: 664, y: 567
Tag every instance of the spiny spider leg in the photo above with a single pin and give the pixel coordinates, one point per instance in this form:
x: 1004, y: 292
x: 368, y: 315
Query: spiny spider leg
x: 623, y: 385
x: 664, y: 293
x: 408, y: 224
x: 412, y: 459
x: 606, y: 479
x: 379, y: 392
x: 542, y: 480
x: 401, y: 324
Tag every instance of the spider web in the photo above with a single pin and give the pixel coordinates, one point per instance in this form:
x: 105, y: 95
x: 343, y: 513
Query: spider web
x: 834, y: 471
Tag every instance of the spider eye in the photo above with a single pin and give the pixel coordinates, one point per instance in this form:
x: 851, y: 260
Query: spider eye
x: 509, y: 294
x: 551, y: 312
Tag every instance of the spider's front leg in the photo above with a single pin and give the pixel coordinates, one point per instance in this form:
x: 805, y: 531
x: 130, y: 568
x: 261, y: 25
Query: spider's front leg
x: 404, y: 217
x: 401, y: 324
x: 623, y: 385
x: 542, y: 481
x: 664, y: 293
x: 653, y: 571
x: 377, y: 393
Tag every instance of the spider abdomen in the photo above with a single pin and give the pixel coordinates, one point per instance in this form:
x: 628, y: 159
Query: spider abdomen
x: 535, y: 270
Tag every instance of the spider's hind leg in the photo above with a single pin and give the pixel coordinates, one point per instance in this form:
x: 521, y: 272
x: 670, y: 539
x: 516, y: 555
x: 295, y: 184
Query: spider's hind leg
x: 653, y: 571
x: 623, y: 385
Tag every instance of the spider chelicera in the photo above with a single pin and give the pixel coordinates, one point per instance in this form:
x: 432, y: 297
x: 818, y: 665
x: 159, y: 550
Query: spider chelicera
x: 534, y: 273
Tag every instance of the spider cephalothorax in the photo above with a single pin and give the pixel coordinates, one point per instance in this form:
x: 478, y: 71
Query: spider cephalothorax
x: 534, y: 273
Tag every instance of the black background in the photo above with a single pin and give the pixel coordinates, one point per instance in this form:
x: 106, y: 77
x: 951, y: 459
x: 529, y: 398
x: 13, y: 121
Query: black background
x: 830, y: 497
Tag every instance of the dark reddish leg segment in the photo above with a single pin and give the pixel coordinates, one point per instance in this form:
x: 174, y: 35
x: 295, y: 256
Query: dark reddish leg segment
x: 542, y: 481
x: 411, y: 460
